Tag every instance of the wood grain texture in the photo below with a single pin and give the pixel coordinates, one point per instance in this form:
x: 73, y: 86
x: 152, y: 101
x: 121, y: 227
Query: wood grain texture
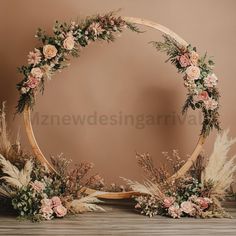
x: 120, y: 220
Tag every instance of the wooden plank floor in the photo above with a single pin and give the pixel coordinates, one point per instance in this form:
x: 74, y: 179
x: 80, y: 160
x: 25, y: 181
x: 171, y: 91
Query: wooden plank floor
x: 120, y: 220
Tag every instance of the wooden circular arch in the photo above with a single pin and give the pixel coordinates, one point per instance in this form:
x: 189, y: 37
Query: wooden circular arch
x: 121, y: 195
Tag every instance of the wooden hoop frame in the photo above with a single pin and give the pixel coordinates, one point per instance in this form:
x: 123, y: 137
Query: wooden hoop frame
x: 121, y: 195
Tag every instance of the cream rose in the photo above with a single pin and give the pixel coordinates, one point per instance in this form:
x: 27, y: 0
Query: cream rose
x: 193, y: 72
x: 49, y: 51
x: 69, y: 43
x: 194, y: 57
x: 37, y: 73
x: 188, y: 208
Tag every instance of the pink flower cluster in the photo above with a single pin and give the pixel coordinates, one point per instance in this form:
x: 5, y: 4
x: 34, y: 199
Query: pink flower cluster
x: 210, y: 103
x: 192, y: 207
x: 52, y: 207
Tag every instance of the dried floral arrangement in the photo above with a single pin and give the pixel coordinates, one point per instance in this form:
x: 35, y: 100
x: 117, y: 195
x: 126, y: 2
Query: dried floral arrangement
x: 199, y: 79
x: 53, y: 56
x: 35, y: 193
x: 197, y: 194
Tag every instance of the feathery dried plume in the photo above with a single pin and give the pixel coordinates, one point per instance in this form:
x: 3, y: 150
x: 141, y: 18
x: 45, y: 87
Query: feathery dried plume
x: 85, y: 204
x: 5, y: 144
x: 220, y: 167
x: 15, y: 177
x: 147, y: 188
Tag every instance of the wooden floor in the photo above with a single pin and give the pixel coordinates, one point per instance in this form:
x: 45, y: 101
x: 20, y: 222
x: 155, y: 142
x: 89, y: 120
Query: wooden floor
x: 120, y: 220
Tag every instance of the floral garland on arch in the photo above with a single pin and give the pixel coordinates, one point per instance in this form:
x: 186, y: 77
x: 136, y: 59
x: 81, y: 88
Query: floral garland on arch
x: 44, y: 61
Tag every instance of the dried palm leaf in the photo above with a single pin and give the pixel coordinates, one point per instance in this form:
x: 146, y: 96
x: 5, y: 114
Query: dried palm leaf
x: 85, y: 204
x: 15, y: 177
x: 220, y: 167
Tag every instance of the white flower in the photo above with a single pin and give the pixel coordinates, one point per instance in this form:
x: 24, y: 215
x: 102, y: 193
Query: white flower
x: 69, y: 43
x: 211, y: 104
x: 37, y: 73
x: 210, y: 81
x: 193, y: 72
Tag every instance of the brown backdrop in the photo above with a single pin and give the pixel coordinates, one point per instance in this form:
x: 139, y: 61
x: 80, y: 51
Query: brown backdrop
x: 125, y: 79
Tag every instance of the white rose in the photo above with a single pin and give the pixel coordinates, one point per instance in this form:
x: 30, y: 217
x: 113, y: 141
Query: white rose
x: 69, y: 43
x: 193, y: 72
x: 37, y: 73
x: 194, y: 57
x: 49, y: 51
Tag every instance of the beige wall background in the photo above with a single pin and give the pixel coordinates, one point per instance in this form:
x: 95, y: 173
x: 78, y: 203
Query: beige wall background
x: 127, y: 77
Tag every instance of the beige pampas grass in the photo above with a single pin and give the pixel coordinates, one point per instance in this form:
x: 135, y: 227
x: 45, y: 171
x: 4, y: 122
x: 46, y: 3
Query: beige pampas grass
x: 15, y: 177
x: 220, y: 167
x: 85, y: 204
x: 147, y: 188
x: 5, y: 144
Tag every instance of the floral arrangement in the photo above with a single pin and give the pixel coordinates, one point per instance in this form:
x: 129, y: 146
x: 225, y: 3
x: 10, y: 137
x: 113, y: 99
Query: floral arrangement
x: 198, y: 194
x: 53, y: 55
x: 35, y: 193
x: 199, y: 79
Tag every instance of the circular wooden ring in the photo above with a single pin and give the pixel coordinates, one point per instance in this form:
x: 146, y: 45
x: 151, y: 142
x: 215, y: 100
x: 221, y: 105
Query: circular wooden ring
x: 120, y: 195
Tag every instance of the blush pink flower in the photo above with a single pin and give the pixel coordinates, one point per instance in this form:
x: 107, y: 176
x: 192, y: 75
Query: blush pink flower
x: 46, y: 212
x: 36, y: 73
x: 60, y: 211
x: 193, y: 72
x: 56, y: 201
x: 69, y: 43
x: 203, y: 96
x: 32, y: 82
x: 38, y: 186
x: 184, y: 60
x: 35, y: 57
x: 188, y: 208
x: 175, y: 211
x: 211, y: 104
x: 49, y: 51
x: 210, y: 81
x: 96, y: 28
x: 168, y: 201
x: 203, y: 202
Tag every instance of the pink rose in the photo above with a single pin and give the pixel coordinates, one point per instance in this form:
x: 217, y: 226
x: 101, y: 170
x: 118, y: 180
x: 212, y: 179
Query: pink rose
x: 60, y: 211
x: 184, y: 60
x: 46, y: 212
x: 188, y: 208
x: 37, y: 73
x: 194, y: 57
x: 49, y: 51
x: 175, y: 211
x: 211, y: 104
x: 34, y: 57
x: 193, y: 72
x: 69, y: 43
x: 203, y: 96
x: 203, y: 202
x: 38, y: 186
x: 168, y: 201
x: 210, y: 81
x: 32, y: 82
x: 56, y: 201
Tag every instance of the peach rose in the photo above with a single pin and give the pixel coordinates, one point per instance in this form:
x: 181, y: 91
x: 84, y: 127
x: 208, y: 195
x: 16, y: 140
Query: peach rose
x: 37, y: 73
x: 47, y: 212
x: 175, y: 211
x: 168, y: 201
x: 194, y: 57
x: 69, y: 43
x: 188, y: 208
x: 193, y: 72
x: 60, y: 211
x: 49, y: 51
x: 56, y: 201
